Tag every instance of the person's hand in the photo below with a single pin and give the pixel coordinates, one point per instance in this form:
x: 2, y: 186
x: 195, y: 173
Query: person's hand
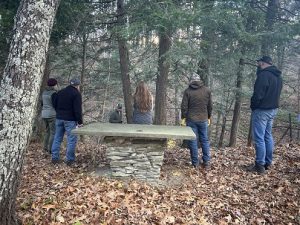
x: 208, y: 121
x: 183, y: 122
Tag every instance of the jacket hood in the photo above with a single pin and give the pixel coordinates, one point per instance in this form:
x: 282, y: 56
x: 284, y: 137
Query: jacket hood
x: 273, y: 70
x: 196, y: 84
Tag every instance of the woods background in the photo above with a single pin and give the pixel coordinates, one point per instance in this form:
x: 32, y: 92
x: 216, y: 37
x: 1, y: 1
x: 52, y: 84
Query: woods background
x: 111, y: 45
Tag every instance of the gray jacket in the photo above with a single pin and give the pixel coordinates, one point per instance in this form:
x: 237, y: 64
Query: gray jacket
x: 48, y: 110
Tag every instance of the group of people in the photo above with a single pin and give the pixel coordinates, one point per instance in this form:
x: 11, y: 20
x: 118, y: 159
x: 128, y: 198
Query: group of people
x: 142, y: 107
x: 62, y: 112
x: 196, y: 108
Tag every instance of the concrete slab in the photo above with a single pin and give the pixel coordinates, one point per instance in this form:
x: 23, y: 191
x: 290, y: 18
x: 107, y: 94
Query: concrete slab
x: 136, y: 131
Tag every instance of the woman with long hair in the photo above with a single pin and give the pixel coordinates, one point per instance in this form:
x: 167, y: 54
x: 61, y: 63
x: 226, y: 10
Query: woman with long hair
x: 143, y: 104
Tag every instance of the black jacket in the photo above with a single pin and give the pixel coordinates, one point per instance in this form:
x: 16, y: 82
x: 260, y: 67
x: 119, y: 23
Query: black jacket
x: 267, y: 89
x: 67, y: 104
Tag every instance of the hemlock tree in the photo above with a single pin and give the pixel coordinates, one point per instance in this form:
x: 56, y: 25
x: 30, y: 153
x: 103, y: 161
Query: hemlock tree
x: 19, y: 88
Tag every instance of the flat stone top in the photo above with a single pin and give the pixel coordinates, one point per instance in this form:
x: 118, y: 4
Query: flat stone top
x: 136, y: 130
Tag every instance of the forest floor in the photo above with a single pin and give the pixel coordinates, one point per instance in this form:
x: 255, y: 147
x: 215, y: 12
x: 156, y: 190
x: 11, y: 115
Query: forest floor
x: 225, y: 194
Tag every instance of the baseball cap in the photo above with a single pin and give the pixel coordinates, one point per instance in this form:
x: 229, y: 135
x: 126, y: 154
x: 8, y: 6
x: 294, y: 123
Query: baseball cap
x: 266, y: 59
x: 75, y: 81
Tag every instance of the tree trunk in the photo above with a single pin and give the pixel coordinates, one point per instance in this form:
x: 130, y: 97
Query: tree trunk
x: 124, y: 64
x: 237, y: 107
x: 298, y: 103
x: 217, y: 127
x: 162, y: 77
x: 177, y: 107
x: 19, y: 88
x: 220, y: 144
x: 38, y: 122
x: 83, y: 63
x: 272, y: 12
x: 207, y: 38
x: 249, y: 139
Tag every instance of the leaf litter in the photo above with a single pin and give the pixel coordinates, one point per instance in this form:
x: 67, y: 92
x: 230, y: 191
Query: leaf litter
x: 225, y: 194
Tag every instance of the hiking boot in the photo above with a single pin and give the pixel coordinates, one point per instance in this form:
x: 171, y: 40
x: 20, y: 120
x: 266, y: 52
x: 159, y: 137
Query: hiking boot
x: 196, y: 166
x: 256, y: 168
x: 206, y: 165
x: 267, y: 167
x: 70, y: 163
x: 55, y: 161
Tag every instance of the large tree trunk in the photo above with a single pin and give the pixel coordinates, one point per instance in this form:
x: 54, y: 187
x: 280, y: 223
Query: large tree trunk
x: 162, y: 77
x: 19, y: 88
x: 124, y: 64
x: 207, y: 39
x: 38, y: 122
x: 237, y: 107
x: 272, y: 12
x: 238, y: 95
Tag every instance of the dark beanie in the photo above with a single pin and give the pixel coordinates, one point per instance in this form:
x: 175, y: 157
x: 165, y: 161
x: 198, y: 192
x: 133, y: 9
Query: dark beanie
x: 51, y: 82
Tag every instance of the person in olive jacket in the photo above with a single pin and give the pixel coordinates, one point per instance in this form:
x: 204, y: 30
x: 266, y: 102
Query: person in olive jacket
x: 196, y: 108
x: 68, y: 106
x: 264, y: 106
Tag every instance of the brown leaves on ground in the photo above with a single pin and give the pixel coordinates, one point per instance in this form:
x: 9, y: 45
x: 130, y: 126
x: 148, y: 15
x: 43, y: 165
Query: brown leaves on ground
x: 225, y: 194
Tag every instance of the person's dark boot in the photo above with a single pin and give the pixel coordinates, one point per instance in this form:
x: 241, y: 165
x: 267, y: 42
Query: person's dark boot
x: 260, y: 169
x: 206, y: 165
x: 55, y: 161
x: 267, y: 167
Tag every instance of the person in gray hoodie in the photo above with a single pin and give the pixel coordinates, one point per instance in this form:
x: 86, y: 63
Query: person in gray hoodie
x: 48, y: 113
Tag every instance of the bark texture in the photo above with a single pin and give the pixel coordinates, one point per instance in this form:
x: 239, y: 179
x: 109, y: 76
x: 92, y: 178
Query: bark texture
x: 19, y: 89
x: 161, y: 83
x: 271, y: 16
x: 124, y: 64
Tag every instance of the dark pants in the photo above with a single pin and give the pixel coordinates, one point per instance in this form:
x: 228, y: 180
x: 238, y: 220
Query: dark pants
x: 50, y: 132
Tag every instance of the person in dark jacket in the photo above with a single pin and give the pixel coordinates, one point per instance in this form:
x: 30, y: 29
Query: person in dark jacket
x: 116, y: 115
x: 264, y: 106
x: 196, y: 108
x: 68, y: 106
x: 48, y: 113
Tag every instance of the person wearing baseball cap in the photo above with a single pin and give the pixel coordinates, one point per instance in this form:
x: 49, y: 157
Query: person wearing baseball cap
x: 68, y: 106
x: 48, y: 113
x: 264, y: 106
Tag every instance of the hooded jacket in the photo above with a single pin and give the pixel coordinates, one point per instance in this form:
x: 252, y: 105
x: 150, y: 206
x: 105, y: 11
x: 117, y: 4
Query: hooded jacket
x: 48, y: 110
x: 267, y: 89
x: 196, y: 103
x: 68, y: 104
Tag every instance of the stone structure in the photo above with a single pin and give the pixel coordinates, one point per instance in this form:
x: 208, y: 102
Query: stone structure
x: 135, y: 150
x: 135, y: 157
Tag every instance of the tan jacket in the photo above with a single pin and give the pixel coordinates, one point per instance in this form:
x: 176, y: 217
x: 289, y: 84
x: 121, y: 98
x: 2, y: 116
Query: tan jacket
x: 196, y: 103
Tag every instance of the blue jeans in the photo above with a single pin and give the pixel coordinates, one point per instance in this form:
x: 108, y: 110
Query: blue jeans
x: 262, y: 121
x: 200, y: 129
x: 62, y: 126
